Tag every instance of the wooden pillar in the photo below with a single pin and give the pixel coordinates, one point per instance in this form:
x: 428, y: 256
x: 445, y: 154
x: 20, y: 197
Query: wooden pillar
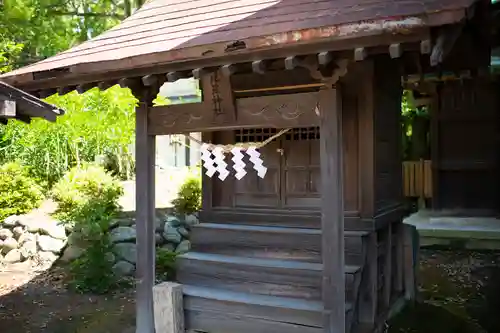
x: 332, y: 209
x: 145, y: 153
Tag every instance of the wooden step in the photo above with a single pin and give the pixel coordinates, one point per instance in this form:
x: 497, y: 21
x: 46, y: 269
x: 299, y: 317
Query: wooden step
x: 217, y: 311
x: 285, y: 278
x: 296, y: 244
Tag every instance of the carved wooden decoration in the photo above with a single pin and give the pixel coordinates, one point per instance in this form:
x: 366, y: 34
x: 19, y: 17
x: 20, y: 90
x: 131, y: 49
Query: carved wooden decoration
x: 279, y: 111
x: 297, y: 110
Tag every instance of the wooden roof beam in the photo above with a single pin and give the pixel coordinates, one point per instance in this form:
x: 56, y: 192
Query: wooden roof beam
x: 128, y: 82
x: 426, y: 46
x: 105, y: 85
x: 46, y: 93
x: 395, y: 51
x: 360, y: 54
x: 150, y: 80
x: 293, y: 62
x: 325, y: 58
x: 229, y: 69
x: 65, y: 90
x: 83, y: 88
x: 174, y: 76
x: 260, y: 66
x: 198, y: 73
x: 447, y: 37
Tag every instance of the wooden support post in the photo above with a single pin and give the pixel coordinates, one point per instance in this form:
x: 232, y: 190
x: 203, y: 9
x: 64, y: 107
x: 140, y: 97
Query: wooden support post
x: 399, y: 258
x: 145, y: 214
x: 332, y: 209
x: 369, y: 300
x: 411, y: 257
x: 388, y: 267
x: 169, y: 308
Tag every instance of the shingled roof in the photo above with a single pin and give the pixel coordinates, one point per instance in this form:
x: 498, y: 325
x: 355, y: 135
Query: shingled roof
x: 16, y: 104
x: 166, y: 31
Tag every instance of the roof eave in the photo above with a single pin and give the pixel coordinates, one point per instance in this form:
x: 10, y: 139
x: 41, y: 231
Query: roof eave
x: 191, y: 57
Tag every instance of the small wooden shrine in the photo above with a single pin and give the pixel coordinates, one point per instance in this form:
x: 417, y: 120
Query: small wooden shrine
x: 316, y: 245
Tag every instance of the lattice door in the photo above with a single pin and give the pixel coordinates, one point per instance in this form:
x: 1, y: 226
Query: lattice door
x: 301, y: 174
x: 293, y: 176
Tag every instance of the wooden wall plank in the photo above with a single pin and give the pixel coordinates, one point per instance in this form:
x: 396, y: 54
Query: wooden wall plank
x: 366, y: 143
x: 332, y: 207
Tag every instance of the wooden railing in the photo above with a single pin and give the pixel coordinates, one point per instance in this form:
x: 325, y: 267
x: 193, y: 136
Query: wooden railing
x: 417, y: 179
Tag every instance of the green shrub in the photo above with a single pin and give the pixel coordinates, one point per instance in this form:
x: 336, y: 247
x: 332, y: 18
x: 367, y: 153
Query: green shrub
x: 188, y: 198
x: 19, y: 193
x: 88, y: 199
x: 84, y: 184
x: 165, y: 264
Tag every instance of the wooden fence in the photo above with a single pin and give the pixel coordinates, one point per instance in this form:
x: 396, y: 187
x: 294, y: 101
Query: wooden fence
x: 417, y: 179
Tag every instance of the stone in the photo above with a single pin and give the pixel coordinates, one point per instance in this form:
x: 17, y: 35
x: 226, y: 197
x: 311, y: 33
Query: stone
x: 110, y: 257
x: 171, y: 234
x: 191, y: 220
x: 28, y: 249
x: 183, y: 247
x: 31, y: 225
x: 173, y: 221
x: 11, y: 221
x: 26, y: 237
x: 126, y: 251
x: 49, y: 244
x: 18, y: 231
x: 123, y: 234
x: 159, y: 239
x: 159, y: 224
x: 13, y: 256
x: 124, y: 222
x: 47, y: 256
x: 53, y: 229
x: 183, y: 231
x: 6, y: 233
x: 9, y: 244
x: 69, y: 227
x: 168, y: 307
x: 169, y: 247
x: 123, y: 268
x: 77, y: 239
x: 71, y: 253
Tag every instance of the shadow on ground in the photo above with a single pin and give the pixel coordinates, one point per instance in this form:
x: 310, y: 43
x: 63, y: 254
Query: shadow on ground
x: 459, y: 293
x: 38, y: 302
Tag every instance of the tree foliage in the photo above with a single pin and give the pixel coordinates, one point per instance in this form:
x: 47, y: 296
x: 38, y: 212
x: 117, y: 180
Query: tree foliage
x: 31, y: 30
x: 97, y: 124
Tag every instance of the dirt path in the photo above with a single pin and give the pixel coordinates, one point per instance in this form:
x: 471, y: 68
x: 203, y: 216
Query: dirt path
x: 460, y: 293
x: 34, y: 301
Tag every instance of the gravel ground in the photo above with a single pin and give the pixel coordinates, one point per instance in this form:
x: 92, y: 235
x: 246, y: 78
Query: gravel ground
x: 459, y: 293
